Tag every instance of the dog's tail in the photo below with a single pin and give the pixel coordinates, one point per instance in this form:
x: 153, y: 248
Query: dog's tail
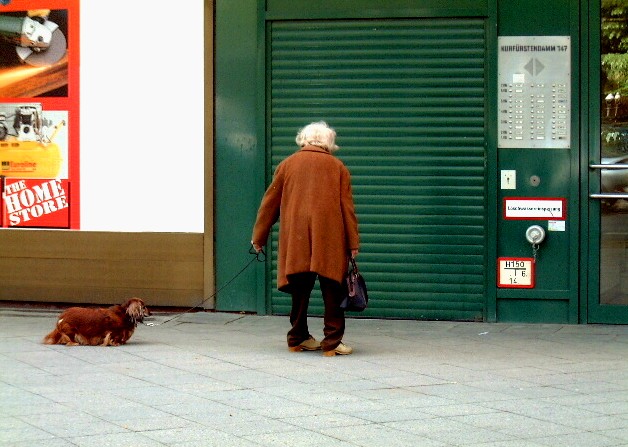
x: 53, y: 338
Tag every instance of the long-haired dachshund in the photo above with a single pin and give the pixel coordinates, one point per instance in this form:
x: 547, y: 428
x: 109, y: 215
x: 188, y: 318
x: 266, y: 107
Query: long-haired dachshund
x: 98, y: 327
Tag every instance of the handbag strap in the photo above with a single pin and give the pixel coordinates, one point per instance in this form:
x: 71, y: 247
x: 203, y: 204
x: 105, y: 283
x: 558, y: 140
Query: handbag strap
x: 354, y: 266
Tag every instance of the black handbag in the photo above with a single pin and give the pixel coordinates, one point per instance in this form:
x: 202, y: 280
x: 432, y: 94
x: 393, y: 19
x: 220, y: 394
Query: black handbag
x: 356, y: 297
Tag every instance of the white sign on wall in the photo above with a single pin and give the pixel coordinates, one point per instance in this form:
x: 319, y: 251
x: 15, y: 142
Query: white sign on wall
x: 533, y: 208
x: 142, y: 116
x: 516, y: 273
x: 534, y: 96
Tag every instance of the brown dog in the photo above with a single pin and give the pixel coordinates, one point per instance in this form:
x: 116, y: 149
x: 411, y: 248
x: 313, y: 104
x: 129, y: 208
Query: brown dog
x: 105, y: 327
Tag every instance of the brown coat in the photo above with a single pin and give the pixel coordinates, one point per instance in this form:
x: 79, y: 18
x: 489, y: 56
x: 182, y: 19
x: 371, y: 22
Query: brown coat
x: 311, y: 191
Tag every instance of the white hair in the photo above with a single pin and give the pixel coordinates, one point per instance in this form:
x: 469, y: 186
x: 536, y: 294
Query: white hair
x: 318, y: 134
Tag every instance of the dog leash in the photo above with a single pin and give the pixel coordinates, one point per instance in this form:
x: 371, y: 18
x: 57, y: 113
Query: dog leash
x: 259, y: 256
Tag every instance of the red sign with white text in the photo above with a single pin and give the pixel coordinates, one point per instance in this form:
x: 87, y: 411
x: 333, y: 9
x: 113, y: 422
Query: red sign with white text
x: 37, y: 203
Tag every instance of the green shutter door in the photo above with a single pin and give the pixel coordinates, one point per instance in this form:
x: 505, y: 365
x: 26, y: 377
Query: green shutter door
x: 407, y: 98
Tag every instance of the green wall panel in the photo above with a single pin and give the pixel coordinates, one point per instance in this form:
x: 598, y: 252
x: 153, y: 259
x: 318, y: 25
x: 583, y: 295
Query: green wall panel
x: 535, y: 17
x: 239, y: 156
x: 533, y: 311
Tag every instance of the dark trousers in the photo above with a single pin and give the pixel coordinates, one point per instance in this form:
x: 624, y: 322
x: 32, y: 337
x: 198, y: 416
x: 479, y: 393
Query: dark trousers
x: 301, y: 285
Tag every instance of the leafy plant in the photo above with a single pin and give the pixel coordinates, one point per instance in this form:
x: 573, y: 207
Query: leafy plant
x: 614, y: 46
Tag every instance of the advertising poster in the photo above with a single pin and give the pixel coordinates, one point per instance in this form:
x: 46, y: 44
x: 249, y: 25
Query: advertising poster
x: 39, y: 114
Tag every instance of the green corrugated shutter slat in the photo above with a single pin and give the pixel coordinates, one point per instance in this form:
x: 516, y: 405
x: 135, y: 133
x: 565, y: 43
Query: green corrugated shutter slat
x: 407, y: 98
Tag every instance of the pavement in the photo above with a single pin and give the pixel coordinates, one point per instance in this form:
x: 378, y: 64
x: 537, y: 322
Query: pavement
x: 223, y: 379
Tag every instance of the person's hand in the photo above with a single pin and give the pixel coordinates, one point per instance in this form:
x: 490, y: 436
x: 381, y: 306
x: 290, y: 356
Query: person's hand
x: 354, y: 252
x: 256, y: 247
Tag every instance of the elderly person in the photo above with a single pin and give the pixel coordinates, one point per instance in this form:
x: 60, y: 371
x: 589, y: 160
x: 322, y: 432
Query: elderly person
x: 318, y: 230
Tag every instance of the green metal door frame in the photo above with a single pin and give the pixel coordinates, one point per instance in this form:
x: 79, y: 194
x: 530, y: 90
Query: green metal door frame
x: 589, y: 255
x: 591, y: 309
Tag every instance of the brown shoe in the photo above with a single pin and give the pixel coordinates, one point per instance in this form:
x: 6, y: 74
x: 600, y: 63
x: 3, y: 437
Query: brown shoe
x: 341, y: 349
x: 307, y: 345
